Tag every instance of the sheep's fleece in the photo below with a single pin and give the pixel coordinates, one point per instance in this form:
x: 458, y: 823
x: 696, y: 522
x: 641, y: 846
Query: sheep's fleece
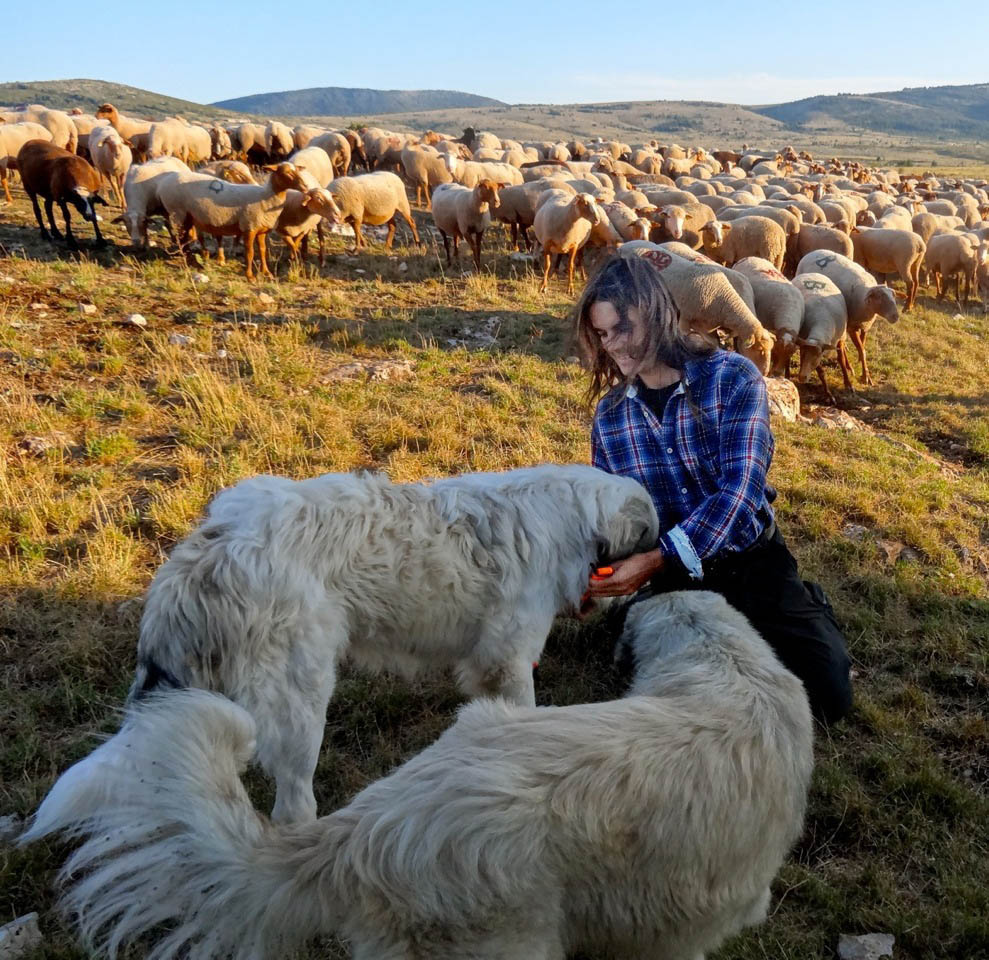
x: 645, y: 827
x: 283, y: 578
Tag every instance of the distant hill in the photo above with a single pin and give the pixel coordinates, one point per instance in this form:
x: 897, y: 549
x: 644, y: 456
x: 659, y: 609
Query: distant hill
x: 353, y: 101
x: 951, y: 111
x: 88, y: 95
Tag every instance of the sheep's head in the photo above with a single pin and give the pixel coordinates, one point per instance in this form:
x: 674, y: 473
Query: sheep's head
x: 673, y: 219
x: 783, y: 350
x: 639, y: 230
x: 865, y: 218
x: 881, y: 300
x: 759, y: 349
x: 586, y: 206
x: 486, y: 191
x: 716, y: 231
x: 107, y: 112
x: 286, y: 176
x: 322, y: 202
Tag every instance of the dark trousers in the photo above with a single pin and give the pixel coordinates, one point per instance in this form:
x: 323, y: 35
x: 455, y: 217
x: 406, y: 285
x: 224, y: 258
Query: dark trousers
x: 793, y: 615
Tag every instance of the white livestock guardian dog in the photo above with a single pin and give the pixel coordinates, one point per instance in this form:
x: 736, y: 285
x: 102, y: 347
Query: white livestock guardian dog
x: 285, y: 578
x: 645, y: 827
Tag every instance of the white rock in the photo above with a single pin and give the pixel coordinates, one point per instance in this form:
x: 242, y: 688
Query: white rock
x: 200, y: 278
x: 784, y: 400
x: 136, y: 320
x: 6, y: 278
x: 403, y: 267
x: 872, y: 946
x: 854, y: 531
x: 267, y: 299
x: 87, y: 309
x: 20, y: 936
x: 38, y: 306
x: 221, y: 354
x: 957, y: 316
x: 179, y: 340
x: 361, y: 272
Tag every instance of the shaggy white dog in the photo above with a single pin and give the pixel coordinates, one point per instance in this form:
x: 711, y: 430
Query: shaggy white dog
x: 284, y: 578
x: 645, y: 827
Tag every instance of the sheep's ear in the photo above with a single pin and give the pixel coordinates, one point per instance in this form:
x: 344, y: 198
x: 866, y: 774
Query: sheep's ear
x: 726, y: 226
x: 118, y: 219
x: 899, y: 296
x: 271, y: 167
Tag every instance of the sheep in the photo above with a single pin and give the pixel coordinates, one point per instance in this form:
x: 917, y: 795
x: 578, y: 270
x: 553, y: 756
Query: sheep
x: 85, y: 125
x: 779, y: 307
x: 373, y: 198
x: 111, y: 157
x: 810, y: 211
x: 952, y: 255
x: 707, y: 301
x: 303, y: 134
x: 221, y: 145
x: 864, y: 298
x: 517, y: 206
x: 682, y: 222
x: 460, y: 212
x: 790, y: 219
x: 338, y: 148
x: 141, y: 200
x: 315, y: 161
x: 59, y: 176
x: 231, y: 209
x: 248, y: 138
x: 824, y: 324
x: 884, y: 251
x: 424, y: 170
x: 562, y: 225
x: 167, y: 138
x: 127, y: 127
x: 233, y: 171
x: 198, y: 144
x: 816, y: 236
x: 13, y: 136
x: 626, y: 221
x: 745, y: 237
x: 469, y: 173
x: 58, y: 124
x: 304, y: 212
x: 278, y: 140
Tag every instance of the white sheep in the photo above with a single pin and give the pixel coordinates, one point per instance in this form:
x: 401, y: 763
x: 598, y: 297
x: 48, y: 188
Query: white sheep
x: 13, y: 136
x: 562, y: 225
x: 141, y: 200
x: 111, y: 157
x: 316, y: 161
x: 779, y: 307
x: 823, y: 328
x: 373, y: 198
x: 230, y: 209
x: 884, y: 251
x: 953, y: 255
x: 864, y: 298
x: 425, y: 169
x: 745, y: 237
x: 462, y: 212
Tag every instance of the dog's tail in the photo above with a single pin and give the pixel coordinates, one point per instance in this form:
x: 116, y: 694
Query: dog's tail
x: 171, y: 838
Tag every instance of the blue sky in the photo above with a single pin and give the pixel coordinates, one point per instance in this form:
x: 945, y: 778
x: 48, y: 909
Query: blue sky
x: 532, y: 52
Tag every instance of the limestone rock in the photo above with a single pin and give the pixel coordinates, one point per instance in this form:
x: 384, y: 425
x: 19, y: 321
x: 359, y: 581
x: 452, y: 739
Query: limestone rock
x: 19, y: 937
x: 784, y: 400
x: 872, y: 946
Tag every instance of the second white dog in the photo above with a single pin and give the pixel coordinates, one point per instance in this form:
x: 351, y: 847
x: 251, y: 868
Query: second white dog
x: 645, y: 827
x: 284, y: 578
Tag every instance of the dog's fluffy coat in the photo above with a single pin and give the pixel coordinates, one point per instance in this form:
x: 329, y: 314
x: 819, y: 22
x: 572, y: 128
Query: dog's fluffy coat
x: 648, y: 826
x: 283, y: 578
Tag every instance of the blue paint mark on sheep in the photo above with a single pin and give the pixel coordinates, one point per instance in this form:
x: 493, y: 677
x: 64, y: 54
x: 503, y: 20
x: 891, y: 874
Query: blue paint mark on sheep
x: 216, y: 186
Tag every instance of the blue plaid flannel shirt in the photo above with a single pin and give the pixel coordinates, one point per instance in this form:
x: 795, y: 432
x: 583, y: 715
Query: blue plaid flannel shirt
x: 706, y: 475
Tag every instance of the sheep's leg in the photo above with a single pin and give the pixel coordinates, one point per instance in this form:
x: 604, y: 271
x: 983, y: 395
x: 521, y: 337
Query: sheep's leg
x: 69, y: 237
x: 475, y: 241
x: 5, y: 180
x: 456, y: 244
x: 858, y: 338
x: 220, y: 255
x: 249, y: 253
x: 547, y: 261
x: 358, y: 236
x: 446, y: 246
x: 846, y: 366
x: 570, y: 265
x: 412, y: 226
x: 829, y: 396
x: 321, y: 234
x: 50, y: 213
x: 45, y: 235
x: 391, y: 234
x: 515, y: 234
x: 100, y: 239
x: 263, y: 250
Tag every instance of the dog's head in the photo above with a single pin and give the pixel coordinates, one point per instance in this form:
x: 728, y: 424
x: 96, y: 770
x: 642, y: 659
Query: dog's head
x: 627, y: 521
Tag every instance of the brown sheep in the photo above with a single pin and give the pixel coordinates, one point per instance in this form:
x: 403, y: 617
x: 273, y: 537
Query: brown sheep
x: 60, y: 177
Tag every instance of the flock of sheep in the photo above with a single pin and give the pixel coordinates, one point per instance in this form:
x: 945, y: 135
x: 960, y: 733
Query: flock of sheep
x: 776, y: 251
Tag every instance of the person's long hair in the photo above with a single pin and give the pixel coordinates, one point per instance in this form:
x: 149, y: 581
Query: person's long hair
x: 627, y: 282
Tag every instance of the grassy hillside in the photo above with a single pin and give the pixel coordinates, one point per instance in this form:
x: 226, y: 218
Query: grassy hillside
x: 960, y: 111
x: 90, y: 94
x: 343, y: 101
x: 137, y: 428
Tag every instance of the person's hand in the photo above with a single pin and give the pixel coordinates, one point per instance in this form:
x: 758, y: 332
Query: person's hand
x: 627, y: 575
